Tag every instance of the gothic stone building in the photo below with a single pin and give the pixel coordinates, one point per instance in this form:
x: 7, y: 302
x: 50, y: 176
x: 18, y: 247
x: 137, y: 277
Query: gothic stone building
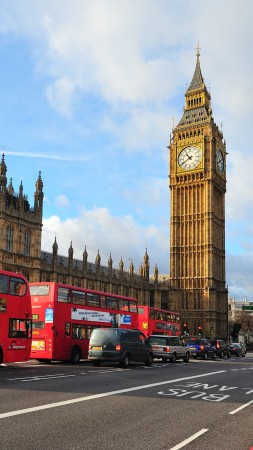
x: 196, y: 285
x: 20, y: 251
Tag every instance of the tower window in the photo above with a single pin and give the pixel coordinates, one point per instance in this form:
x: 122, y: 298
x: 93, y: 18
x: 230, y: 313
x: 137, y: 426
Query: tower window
x: 9, y: 243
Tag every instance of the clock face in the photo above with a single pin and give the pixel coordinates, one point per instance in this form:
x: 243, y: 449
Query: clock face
x: 220, y: 161
x: 189, y: 158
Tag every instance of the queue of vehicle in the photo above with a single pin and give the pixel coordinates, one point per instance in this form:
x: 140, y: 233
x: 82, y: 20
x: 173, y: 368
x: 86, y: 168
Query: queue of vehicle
x: 237, y: 349
x: 126, y: 346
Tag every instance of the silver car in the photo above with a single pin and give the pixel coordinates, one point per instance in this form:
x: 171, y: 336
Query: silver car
x: 169, y: 348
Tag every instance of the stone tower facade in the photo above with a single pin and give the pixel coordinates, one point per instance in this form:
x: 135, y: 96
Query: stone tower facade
x: 21, y: 227
x: 197, y: 215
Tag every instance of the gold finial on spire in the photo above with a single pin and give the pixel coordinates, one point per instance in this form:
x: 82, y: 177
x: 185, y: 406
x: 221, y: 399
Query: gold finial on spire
x: 173, y: 123
x: 198, y: 50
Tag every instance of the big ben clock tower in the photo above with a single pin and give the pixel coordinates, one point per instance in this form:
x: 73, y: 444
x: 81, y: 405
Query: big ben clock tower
x: 197, y: 215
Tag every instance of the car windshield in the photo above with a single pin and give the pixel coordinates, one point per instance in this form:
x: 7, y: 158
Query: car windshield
x: 103, y: 336
x: 193, y: 341
x: 158, y: 340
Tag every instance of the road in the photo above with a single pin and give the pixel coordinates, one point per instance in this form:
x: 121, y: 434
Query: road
x: 200, y: 405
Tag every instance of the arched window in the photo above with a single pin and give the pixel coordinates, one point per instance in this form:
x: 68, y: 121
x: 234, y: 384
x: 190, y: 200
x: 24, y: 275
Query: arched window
x: 27, y: 242
x: 9, y: 243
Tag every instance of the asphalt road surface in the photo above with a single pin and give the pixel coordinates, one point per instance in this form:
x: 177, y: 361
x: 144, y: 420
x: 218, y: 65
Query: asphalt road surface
x: 200, y: 405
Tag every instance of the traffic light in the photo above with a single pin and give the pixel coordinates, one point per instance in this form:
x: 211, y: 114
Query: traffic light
x: 185, y: 328
x: 200, y: 330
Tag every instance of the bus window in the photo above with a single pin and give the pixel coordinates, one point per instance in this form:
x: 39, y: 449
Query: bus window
x: 112, y: 303
x: 78, y: 297
x: 132, y: 306
x: 78, y: 331
x: 20, y: 328
x: 125, y: 304
x: 39, y: 289
x: 3, y: 305
x: 89, y: 331
x: 17, y: 286
x: 93, y: 299
x: 103, y: 301
x: 82, y: 332
x: 67, y: 329
x: 39, y: 325
x: 75, y: 331
x: 63, y: 295
x: 3, y: 284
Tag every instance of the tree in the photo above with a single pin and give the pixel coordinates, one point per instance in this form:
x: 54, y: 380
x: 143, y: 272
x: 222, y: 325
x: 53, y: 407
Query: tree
x: 245, y: 320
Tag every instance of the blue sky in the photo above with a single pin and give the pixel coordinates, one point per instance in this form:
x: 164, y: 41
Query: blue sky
x: 89, y: 90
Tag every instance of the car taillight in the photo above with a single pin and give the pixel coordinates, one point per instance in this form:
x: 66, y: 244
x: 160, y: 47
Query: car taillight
x: 166, y: 349
x: 89, y: 347
x: 118, y: 347
x: 201, y: 347
x: 218, y: 345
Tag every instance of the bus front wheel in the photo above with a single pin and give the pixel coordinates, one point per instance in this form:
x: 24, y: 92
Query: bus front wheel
x: 75, y: 355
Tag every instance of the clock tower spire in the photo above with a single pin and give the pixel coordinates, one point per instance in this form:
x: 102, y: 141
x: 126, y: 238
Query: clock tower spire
x: 197, y: 216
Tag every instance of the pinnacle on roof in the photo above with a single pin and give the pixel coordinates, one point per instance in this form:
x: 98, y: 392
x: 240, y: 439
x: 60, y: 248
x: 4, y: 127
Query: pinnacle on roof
x: 197, y: 80
x: 3, y: 167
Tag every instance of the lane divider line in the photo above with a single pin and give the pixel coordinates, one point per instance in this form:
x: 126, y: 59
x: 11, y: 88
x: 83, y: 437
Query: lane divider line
x: 104, y: 394
x: 190, y: 439
x: 241, y: 407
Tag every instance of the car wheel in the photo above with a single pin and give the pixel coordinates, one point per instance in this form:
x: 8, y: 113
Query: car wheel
x: 75, y: 355
x: 149, y: 361
x: 126, y: 361
x: 205, y: 356
x: 173, y: 358
x: 96, y: 363
x: 186, y: 358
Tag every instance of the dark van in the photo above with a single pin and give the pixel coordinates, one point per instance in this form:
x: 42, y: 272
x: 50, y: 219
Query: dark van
x: 119, y: 345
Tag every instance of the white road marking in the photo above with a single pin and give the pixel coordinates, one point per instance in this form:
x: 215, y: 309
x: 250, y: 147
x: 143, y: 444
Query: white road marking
x: 241, y: 407
x: 104, y: 394
x: 48, y: 377
x: 38, y: 376
x: 190, y: 439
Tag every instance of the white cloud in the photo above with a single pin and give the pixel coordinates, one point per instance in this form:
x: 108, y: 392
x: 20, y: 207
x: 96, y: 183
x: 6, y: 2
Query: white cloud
x: 134, y: 58
x: 99, y: 230
x: 60, y: 95
x: 62, y: 201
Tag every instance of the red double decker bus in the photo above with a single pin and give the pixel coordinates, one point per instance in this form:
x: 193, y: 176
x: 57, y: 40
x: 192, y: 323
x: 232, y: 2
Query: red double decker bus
x: 15, y: 318
x: 64, y: 317
x: 158, y: 321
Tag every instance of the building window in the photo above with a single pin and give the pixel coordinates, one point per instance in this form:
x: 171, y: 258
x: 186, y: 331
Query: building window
x: 151, y: 298
x: 27, y: 242
x: 10, y: 233
x: 164, y: 300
